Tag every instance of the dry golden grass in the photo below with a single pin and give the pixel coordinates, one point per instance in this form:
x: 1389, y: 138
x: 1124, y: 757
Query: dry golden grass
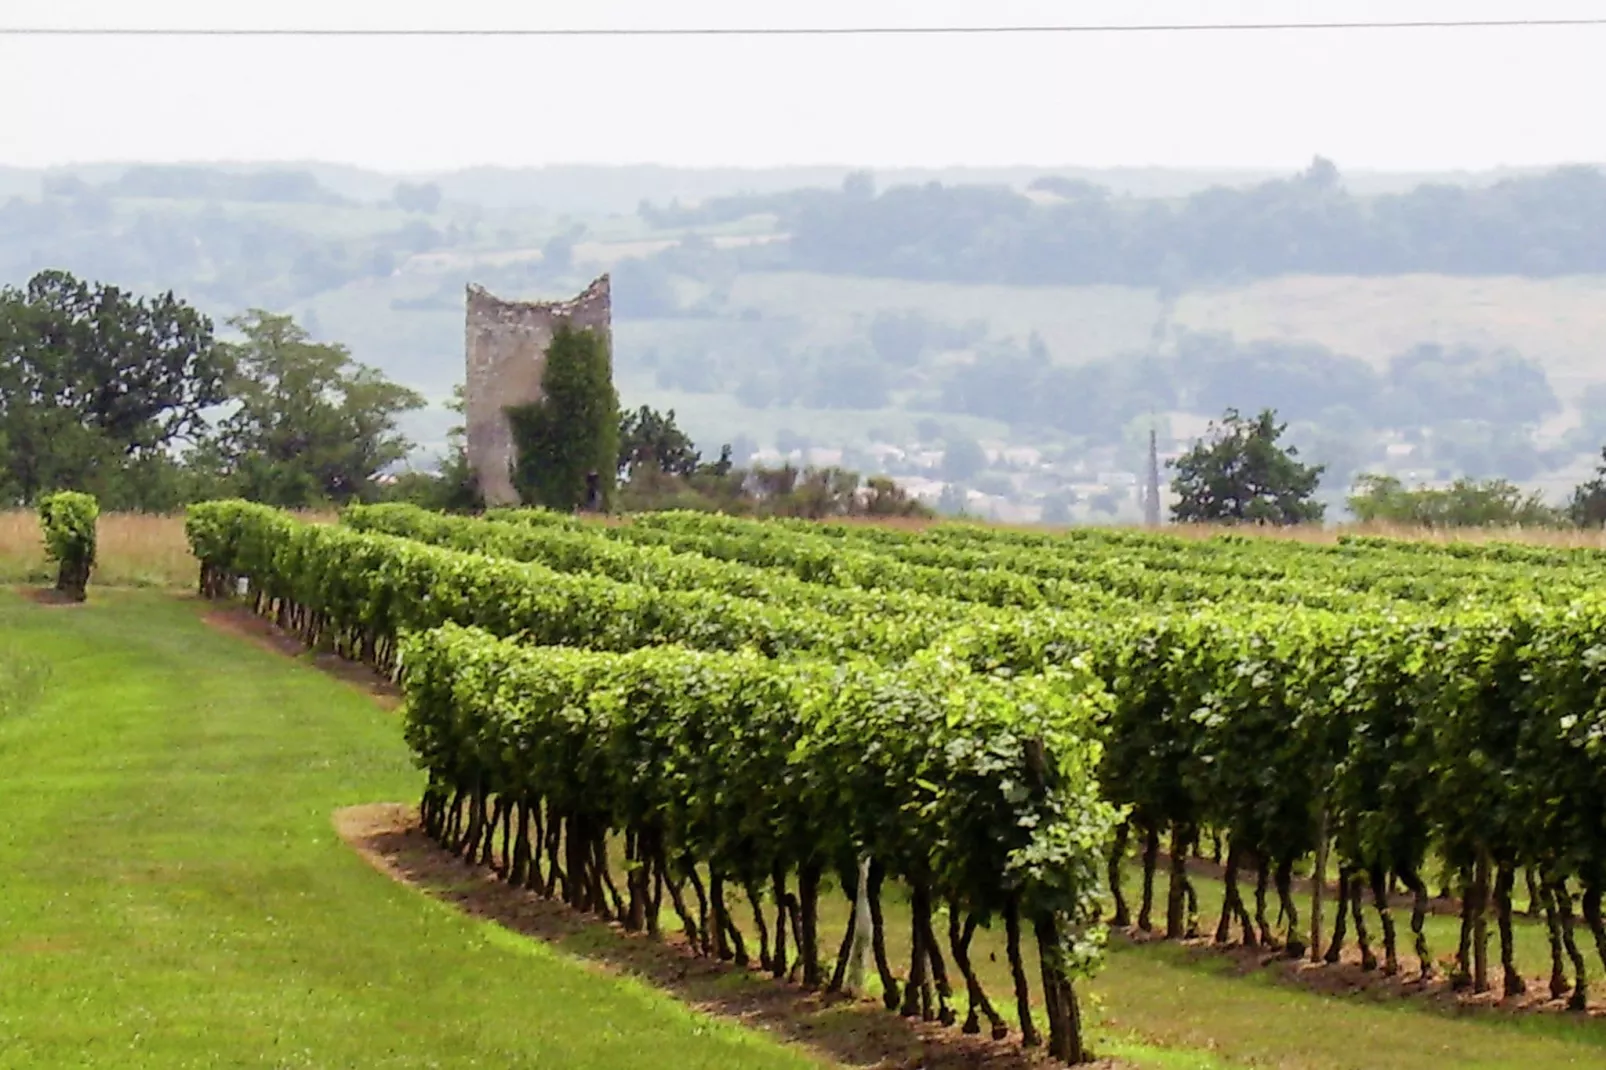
x: 1566, y: 538
x: 135, y: 550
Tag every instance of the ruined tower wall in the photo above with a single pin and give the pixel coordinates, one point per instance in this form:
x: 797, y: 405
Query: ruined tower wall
x: 505, y: 346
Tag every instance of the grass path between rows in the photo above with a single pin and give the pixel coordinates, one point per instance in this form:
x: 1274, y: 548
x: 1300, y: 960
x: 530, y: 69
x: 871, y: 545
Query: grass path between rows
x: 172, y: 893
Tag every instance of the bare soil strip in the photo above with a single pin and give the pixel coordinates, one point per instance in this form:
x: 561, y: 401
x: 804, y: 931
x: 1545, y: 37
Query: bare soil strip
x: 844, y: 1030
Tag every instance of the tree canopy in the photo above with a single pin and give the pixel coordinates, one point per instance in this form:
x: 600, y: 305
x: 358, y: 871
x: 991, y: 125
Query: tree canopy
x: 95, y: 382
x: 661, y: 468
x: 424, y: 197
x: 1465, y: 503
x: 312, y: 424
x: 1239, y: 474
x: 134, y: 400
x: 1309, y: 223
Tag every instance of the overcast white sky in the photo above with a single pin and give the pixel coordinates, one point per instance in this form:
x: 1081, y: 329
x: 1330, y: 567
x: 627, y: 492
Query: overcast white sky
x: 1395, y: 100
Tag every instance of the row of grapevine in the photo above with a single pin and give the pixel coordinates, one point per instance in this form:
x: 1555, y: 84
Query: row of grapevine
x: 657, y: 564
x: 1477, y: 738
x: 993, y: 580
x: 976, y: 794
x: 357, y: 591
x: 1219, y: 545
x: 1156, y: 567
x: 1506, y: 553
x: 1008, y: 577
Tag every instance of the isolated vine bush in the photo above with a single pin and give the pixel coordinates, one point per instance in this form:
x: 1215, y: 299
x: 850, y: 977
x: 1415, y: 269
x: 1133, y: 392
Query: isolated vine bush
x: 69, y: 519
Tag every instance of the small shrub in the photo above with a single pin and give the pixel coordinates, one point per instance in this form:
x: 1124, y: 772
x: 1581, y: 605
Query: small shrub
x: 68, y: 519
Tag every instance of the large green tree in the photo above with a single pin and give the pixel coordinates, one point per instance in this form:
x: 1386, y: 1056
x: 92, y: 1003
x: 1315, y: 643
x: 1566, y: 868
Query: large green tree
x: 1239, y: 474
x: 569, y: 440
x: 312, y: 425
x: 96, y: 383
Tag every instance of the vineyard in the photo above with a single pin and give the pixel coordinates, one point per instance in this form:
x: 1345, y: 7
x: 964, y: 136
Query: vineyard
x: 722, y: 722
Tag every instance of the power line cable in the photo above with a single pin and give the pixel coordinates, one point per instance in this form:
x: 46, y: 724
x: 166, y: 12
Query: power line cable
x: 791, y: 31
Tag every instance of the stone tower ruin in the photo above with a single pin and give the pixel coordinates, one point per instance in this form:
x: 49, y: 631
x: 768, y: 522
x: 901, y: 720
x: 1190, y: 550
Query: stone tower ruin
x: 505, y: 346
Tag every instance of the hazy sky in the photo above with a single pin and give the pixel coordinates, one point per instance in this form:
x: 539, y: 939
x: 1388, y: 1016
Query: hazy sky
x: 1395, y: 100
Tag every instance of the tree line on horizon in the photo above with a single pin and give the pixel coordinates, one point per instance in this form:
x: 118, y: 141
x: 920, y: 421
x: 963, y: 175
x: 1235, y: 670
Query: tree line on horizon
x: 1073, y: 232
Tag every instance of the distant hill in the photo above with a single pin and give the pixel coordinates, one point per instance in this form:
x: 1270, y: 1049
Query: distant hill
x: 606, y: 189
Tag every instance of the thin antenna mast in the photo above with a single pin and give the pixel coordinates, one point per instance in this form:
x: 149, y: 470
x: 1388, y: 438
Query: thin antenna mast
x: 1151, y: 497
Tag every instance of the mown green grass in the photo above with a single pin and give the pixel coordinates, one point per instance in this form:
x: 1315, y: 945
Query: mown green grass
x: 172, y: 893
x: 1172, y: 997
x: 22, y: 677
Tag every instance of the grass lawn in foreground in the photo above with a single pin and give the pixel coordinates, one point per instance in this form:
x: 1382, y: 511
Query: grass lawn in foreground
x: 172, y: 893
